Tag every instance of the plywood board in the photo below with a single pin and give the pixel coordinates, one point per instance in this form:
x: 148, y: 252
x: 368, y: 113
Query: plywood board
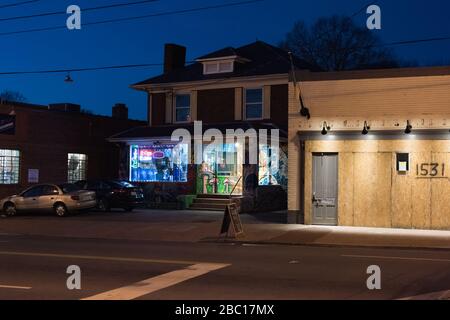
x: 421, y: 192
x: 440, y: 195
x: 365, y: 189
x: 401, y: 199
x: 346, y: 192
x: 383, y: 207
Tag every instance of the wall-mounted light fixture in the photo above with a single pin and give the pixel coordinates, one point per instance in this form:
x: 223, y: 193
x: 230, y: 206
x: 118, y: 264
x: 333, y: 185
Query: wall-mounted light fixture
x: 366, y: 128
x: 408, y: 128
x: 325, y: 128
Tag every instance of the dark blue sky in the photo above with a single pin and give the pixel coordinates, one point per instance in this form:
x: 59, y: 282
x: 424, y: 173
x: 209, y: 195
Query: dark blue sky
x: 142, y: 41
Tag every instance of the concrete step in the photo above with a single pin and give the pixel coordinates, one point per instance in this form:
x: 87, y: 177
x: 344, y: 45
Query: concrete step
x: 207, y: 206
x: 213, y: 196
x: 211, y: 201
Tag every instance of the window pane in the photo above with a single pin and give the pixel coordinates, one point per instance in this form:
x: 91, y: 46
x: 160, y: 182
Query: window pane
x: 183, y: 100
x: 76, y: 167
x: 9, y: 166
x: 183, y: 114
x: 254, y: 111
x: 253, y: 96
x: 226, y: 67
x: 211, y: 68
x: 162, y: 163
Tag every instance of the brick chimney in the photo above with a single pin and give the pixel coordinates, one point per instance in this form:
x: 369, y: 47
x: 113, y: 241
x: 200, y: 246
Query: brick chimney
x: 174, y: 57
x: 120, y: 111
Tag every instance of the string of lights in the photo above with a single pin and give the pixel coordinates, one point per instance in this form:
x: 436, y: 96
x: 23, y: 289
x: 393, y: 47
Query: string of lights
x: 146, y: 16
x: 54, y: 13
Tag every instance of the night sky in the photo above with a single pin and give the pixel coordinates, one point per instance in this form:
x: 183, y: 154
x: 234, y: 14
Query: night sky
x: 142, y: 41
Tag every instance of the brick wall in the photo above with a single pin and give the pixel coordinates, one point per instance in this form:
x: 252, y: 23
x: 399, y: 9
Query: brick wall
x: 45, y: 138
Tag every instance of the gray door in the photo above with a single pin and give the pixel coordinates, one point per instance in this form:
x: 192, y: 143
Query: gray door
x: 325, y: 184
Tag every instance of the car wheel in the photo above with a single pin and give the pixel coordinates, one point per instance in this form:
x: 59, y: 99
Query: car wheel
x: 60, y: 210
x: 128, y: 209
x: 103, y: 205
x: 10, y: 210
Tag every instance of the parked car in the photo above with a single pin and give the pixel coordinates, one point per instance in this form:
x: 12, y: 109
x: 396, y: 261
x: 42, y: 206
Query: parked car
x: 61, y: 199
x: 114, y: 194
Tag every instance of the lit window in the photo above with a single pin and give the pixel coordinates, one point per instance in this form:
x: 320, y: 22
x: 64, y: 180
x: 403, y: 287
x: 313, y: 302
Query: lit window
x: 9, y: 166
x: 159, y: 163
x: 76, y: 167
x: 183, y: 108
x: 253, y: 104
x: 272, y: 166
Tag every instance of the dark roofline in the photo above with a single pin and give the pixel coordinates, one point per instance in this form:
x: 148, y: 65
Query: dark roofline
x: 304, y: 75
x: 189, y: 72
x: 45, y: 108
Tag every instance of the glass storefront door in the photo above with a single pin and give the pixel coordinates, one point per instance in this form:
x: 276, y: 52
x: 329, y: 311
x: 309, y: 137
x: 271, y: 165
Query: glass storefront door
x: 220, y: 173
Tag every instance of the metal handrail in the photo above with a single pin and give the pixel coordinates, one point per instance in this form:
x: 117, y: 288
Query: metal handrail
x: 234, y: 188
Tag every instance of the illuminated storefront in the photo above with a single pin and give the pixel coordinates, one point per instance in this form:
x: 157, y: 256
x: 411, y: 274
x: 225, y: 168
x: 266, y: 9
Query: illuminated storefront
x: 159, y: 163
x: 220, y: 172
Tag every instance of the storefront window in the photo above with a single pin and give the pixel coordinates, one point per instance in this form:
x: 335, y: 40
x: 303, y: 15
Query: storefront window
x: 272, y: 166
x: 76, y: 167
x: 159, y: 163
x: 9, y: 166
x: 220, y: 172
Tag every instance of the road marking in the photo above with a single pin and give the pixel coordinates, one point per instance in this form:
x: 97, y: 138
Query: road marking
x: 119, y: 259
x: 14, y: 287
x: 395, y: 258
x: 157, y: 283
x: 439, y: 295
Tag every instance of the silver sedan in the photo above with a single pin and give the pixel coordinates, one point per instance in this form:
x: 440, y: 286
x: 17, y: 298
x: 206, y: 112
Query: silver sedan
x: 60, y: 199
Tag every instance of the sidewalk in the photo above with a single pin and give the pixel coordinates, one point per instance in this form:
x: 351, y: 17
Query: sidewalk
x: 344, y: 236
x: 201, y: 226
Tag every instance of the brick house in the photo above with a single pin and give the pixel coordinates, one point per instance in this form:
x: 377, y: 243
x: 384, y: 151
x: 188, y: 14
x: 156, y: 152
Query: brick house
x: 56, y: 143
x: 232, y: 88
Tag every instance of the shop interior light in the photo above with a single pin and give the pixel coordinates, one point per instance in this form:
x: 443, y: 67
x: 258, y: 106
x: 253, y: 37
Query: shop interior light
x: 366, y: 128
x: 325, y: 128
x: 408, y: 128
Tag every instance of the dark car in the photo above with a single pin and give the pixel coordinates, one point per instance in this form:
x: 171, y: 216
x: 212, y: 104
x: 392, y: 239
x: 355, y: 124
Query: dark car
x: 114, y: 194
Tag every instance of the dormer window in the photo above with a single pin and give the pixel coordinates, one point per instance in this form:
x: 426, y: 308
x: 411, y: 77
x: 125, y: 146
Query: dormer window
x: 218, y: 67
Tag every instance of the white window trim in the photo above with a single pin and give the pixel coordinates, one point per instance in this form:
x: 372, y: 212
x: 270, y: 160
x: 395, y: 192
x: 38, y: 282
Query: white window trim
x: 217, y: 64
x: 245, y: 102
x: 86, y: 166
x: 19, y: 167
x: 174, y: 106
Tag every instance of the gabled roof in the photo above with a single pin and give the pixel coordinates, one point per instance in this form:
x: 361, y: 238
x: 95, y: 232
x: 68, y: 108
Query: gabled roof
x: 263, y: 59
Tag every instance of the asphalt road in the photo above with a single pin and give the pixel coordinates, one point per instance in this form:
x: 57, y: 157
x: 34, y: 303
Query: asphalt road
x: 34, y: 267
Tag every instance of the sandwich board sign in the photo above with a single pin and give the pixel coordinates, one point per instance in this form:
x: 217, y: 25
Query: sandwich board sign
x: 232, y: 222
